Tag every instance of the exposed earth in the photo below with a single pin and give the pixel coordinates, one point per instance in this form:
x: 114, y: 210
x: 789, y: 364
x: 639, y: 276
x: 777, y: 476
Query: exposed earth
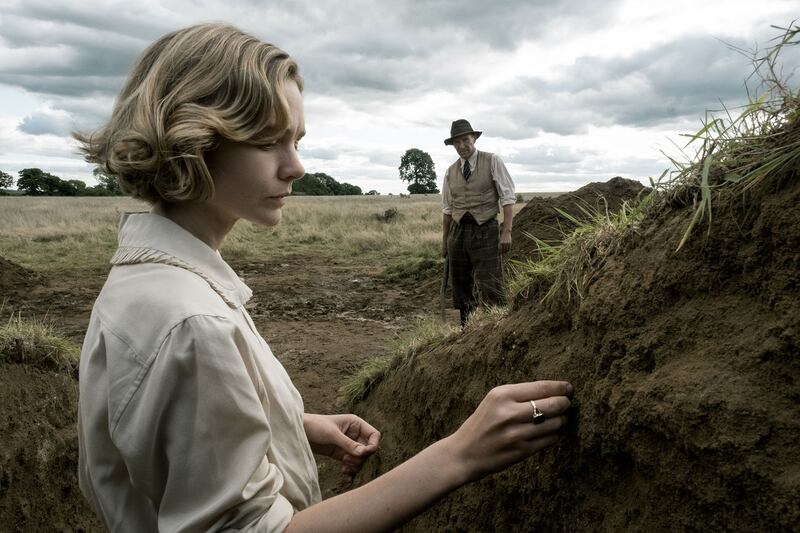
x: 686, y: 413
x: 323, y: 319
x: 685, y: 365
x: 543, y: 218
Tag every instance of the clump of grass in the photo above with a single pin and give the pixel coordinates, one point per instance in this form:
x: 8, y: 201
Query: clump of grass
x: 35, y: 342
x: 389, y: 215
x: 740, y: 154
x: 566, y: 268
x: 736, y: 156
x: 425, y: 333
x: 487, y: 314
x: 414, y: 268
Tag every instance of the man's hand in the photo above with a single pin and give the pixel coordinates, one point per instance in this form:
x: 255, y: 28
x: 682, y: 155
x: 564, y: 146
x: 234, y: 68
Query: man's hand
x: 346, y: 438
x: 505, y: 241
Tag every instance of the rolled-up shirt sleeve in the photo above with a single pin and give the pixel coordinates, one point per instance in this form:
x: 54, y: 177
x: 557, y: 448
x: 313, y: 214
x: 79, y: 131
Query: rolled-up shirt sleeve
x: 447, y: 199
x: 195, y: 434
x: 503, y: 181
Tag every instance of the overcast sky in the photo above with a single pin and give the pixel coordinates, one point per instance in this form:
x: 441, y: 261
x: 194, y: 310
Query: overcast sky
x: 566, y: 92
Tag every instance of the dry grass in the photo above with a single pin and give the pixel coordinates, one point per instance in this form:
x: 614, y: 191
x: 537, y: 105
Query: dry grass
x: 737, y: 156
x: 61, y: 234
x: 740, y: 154
x: 426, y: 333
x: 566, y: 268
x: 36, y: 343
x: 74, y: 234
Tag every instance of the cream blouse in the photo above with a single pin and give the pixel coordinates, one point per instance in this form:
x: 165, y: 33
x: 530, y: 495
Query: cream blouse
x: 187, y: 421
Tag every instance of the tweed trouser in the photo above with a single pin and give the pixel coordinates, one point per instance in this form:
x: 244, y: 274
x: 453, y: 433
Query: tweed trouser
x: 475, y: 265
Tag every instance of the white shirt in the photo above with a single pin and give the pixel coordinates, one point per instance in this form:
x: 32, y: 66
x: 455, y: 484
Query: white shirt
x: 187, y: 421
x: 500, y: 175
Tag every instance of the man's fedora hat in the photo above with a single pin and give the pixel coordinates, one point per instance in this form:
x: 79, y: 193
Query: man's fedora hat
x: 460, y: 127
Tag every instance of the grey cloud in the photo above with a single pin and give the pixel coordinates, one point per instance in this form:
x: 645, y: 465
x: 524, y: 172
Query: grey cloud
x: 547, y: 157
x: 47, y: 122
x: 327, y: 154
x: 140, y: 22
x: 56, y: 86
x: 505, y: 24
x: 385, y: 158
x: 656, y: 86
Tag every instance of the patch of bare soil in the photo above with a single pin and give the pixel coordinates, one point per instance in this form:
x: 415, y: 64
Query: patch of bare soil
x: 322, y: 318
x: 687, y: 407
x: 540, y: 216
x: 39, y: 452
x: 14, y: 277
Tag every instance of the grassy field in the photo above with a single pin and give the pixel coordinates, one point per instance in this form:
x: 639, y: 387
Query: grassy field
x: 58, y: 234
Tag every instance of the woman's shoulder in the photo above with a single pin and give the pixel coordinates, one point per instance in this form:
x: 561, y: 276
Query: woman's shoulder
x: 145, y: 301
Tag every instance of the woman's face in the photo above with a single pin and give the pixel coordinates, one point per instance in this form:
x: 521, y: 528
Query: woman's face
x: 251, y: 182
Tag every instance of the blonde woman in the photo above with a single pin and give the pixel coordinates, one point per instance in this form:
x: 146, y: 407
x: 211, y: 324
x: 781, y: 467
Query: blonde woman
x: 187, y: 420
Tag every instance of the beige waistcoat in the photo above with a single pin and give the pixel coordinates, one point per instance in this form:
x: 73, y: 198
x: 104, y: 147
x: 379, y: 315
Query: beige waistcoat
x: 477, y: 195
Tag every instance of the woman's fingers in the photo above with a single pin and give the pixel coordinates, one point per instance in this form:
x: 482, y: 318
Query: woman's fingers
x: 535, y: 390
x: 529, y: 431
x: 549, y: 407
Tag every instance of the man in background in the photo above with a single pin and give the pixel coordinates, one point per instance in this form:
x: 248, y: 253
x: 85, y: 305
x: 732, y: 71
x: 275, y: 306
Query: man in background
x: 472, y: 188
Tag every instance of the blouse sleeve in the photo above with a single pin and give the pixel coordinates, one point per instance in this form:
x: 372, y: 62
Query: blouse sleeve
x: 196, y: 435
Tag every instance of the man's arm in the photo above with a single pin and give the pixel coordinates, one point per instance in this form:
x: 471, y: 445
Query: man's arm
x: 446, y: 219
x: 447, y: 210
x: 505, y: 235
x: 505, y: 190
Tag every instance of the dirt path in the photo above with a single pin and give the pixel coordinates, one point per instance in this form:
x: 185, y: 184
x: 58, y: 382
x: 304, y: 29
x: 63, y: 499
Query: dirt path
x: 323, y: 319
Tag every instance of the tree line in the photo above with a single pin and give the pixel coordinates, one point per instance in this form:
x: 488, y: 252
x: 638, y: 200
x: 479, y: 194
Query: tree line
x: 36, y: 182
x: 416, y: 168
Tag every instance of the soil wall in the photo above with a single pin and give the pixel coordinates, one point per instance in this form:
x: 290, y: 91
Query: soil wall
x: 687, y: 406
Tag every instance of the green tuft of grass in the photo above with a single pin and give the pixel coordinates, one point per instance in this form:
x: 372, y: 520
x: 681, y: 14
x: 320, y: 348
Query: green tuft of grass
x: 565, y: 269
x: 35, y: 342
x: 422, y: 266
x: 427, y: 333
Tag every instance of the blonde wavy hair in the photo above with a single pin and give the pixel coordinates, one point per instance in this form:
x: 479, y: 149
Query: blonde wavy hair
x: 186, y: 91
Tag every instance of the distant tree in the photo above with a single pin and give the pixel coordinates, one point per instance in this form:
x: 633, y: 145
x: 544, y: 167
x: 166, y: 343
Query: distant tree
x: 107, y: 184
x: 6, y: 180
x: 416, y: 167
x: 320, y: 184
x: 373, y: 192
x: 345, y: 189
x: 36, y: 182
x: 75, y: 188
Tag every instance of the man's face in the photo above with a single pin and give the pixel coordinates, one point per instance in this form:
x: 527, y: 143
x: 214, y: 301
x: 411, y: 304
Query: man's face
x: 464, y: 145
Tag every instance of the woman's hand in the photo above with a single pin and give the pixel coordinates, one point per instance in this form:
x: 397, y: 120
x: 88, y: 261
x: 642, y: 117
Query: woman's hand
x: 502, y: 432
x: 346, y: 438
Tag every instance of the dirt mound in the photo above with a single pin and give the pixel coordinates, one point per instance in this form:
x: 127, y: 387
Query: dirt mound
x: 39, y: 452
x: 687, y: 407
x: 14, y: 277
x: 541, y: 219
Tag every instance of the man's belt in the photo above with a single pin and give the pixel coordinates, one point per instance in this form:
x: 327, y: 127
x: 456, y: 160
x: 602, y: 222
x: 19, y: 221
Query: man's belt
x: 469, y: 220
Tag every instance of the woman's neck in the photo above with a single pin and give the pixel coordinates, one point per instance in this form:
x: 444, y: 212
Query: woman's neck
x: 198, y: 219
